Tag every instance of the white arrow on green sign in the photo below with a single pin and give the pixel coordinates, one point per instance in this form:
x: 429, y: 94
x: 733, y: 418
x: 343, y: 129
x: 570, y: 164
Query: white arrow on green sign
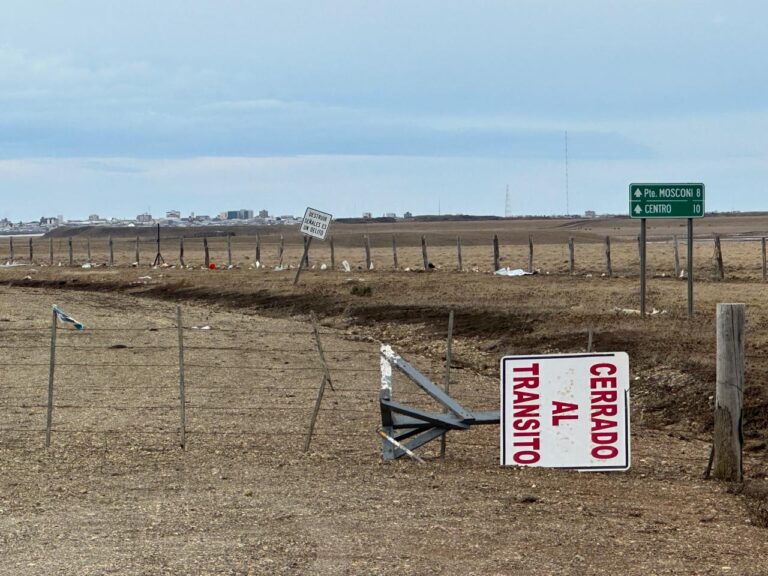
x: 666, y: 200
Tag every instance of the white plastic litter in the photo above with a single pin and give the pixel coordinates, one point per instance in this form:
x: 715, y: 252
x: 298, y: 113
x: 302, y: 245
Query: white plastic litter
x: 511, y: 272
x: 346, y: 266
x: 206, y: 327
x: 87, y: 265
x: 323, y: 267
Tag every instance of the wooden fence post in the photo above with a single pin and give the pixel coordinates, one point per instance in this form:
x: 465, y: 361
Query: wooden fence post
x: 206, y: 252
x: 258, y: 248
x: 71, y: 254
x: 88, y: 248
x: 608, y: 265
x: 424, y: 253
x: 280, y: 249
x: 765, y: 271
x: 10, y: 247
x: 530, y: 254
x: 305, y: 255
x: 719, y: 258
x: 394, y: 252
x: 496, y: 263
x: 50, y: 249
x: 31, y: 252
x: 458, y: 253
x: 571, y: 256
x: 229, y: 249
x: 181, y: 252
x: 182, y: 386
x: 111, y: 252
x: 367, y: 243
x: 729, y: 394
x: 137, y: 255
x: 677, y: 256
x: 333, y: 255
x: 51, y: 368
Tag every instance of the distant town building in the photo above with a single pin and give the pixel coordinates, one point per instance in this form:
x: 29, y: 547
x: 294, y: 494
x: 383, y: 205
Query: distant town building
x: 390, y: 215
x: 366, y: 215
x: 590, y: 214
x: 48, y: 221
x: 263, y: 213
x: 173, y: 215
x: 407, y: 215
x: 237, y: 214
x: 93, y: 218
x: 146, y: 217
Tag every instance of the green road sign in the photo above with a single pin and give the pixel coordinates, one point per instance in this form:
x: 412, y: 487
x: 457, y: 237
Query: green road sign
x: 666, y: 200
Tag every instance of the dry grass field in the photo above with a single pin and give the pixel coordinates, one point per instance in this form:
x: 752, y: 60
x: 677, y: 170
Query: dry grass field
x: 116, y: 494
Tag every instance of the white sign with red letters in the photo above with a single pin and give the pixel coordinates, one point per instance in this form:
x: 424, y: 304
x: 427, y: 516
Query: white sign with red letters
x: 566, y: 411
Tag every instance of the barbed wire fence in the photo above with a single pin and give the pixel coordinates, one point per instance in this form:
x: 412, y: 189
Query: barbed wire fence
x: 273, y: 251
x: 182, y: 383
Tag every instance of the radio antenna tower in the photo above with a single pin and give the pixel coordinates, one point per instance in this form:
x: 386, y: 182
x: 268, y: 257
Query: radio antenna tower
x: 507, y: 205
x: 567, y: 208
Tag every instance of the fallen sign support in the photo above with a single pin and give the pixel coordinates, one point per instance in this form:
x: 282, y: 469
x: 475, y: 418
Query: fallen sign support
x: 401, y: 422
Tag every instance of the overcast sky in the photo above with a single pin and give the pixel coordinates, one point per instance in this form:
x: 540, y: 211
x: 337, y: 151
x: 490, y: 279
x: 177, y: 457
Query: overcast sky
x: 115, y: 107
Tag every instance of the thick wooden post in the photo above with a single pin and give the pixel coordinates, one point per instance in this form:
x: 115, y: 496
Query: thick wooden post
x: 571, y: 256
x: 394, y: 252
x: 31, y: 251
x: 424, y: 253
x: 458, y: 254
x: 229, y: 249
x: 111, y: 252
x: 258, y: 248
x: 10, y: 248
x: 765, y: 270
x: 530, y: 254
x: 136, y: 257
x: 71, y: 254
x: 729, y: 393
x: 719, y: 258
x: 88, y: 248
x: 608, y: 265
x: 677, y: 256
x: 333, y: 255
x: 496, y: 263
x: 280, y: 249
x: 50, y: 250
x: 181, y: 252
x: 367, y: 243
x: 206, y: 252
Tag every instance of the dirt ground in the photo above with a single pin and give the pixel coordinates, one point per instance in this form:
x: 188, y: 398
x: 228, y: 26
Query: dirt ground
x: 115, y: 493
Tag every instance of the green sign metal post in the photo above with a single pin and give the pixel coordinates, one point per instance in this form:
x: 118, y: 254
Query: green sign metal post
x: 675, y: 200
x: 666, y: 200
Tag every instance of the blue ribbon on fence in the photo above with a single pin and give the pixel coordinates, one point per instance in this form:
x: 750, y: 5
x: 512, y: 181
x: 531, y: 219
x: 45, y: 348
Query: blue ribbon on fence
x: 64, y: 317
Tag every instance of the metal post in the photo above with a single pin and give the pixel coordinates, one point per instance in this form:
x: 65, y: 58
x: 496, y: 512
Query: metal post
x: 448, y: 348
x: 51, y: 368
x: 321, y: 390
x: 690, y: 267
x: 182, y: 387
x: 333, y: 255
x: 677, y: 256
x: 642, y: 267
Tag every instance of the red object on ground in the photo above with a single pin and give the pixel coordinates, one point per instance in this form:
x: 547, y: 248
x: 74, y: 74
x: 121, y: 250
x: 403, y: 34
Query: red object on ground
x: 212, y: 266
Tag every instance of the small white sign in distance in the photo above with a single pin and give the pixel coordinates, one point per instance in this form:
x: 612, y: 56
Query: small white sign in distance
x: 566, y: 411
x: 316, y: 223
